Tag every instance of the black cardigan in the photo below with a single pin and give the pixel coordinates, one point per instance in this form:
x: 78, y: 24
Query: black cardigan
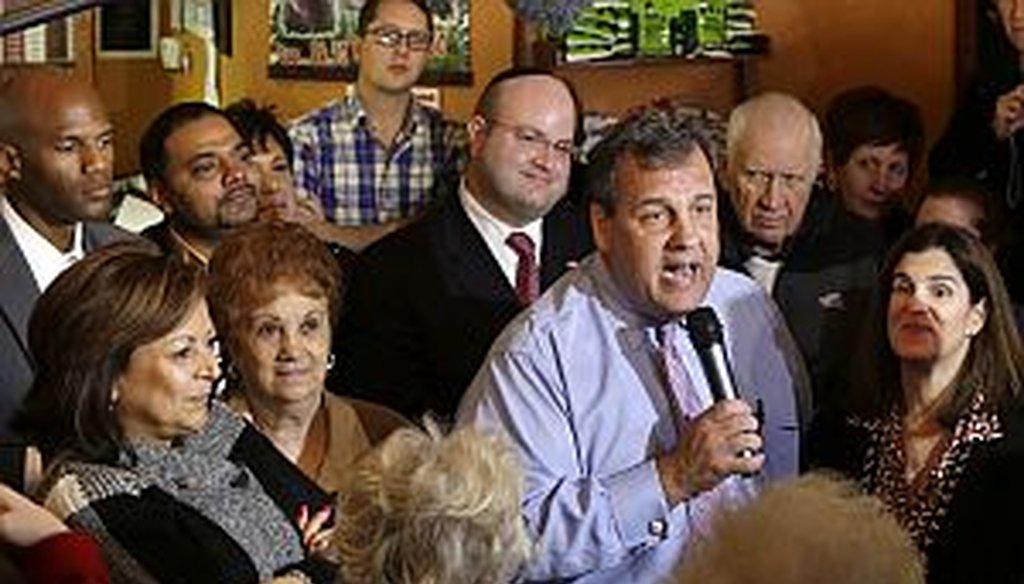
x: 175, y: 543
x: 981, y: 541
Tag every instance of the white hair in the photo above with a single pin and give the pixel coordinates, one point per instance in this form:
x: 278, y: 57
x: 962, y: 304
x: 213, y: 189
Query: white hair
x: 423, y: 508
x: 772, y: 110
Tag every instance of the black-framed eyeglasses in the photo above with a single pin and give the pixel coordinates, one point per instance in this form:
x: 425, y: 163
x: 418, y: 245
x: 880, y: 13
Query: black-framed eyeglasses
x: 390, y: 37
x: 533, y: 138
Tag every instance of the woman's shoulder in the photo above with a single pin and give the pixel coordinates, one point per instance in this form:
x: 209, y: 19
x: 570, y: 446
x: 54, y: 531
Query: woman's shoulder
x: 346, y: 428
x: 372, y: 421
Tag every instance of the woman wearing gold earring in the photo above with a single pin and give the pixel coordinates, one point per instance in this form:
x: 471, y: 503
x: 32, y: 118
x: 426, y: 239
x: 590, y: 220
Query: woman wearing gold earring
x: 274, y: 295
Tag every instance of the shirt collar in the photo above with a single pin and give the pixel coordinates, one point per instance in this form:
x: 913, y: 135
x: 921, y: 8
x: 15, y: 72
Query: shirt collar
x: 620, y: 305
x: 414, y: 116
x: 44, y: 259
x: 492, y: 228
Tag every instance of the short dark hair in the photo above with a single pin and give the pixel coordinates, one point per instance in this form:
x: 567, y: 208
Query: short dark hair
x: 258, y: 124
x: 152, y: 145
x: 871, y: 116
x: 486, y: 104
x: 81, y: 335
x: 994, y: 365
x: 370, y: 8
x: 657, y: 136
x: 991, y: 226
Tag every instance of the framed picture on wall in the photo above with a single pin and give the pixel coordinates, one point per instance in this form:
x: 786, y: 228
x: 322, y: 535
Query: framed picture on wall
x: 128, y: 30
x: 312, y: 39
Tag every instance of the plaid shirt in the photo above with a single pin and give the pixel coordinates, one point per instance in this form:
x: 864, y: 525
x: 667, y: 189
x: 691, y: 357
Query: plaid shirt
x: 359, y: 181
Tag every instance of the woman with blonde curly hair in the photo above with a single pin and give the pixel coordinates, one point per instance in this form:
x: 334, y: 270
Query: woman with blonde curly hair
x: 423, y: 508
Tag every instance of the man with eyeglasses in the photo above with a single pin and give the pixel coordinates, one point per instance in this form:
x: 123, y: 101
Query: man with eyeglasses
x: 372, y: 159
x: 598, y: 385
x: 425, y: 303
x: 813, y: 257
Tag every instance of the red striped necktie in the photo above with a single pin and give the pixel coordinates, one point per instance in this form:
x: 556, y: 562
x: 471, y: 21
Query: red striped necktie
x: 527, y: 273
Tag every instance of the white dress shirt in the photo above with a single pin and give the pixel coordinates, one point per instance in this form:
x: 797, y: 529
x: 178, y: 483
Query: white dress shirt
x: 495, y: 232
x: 44, y: 260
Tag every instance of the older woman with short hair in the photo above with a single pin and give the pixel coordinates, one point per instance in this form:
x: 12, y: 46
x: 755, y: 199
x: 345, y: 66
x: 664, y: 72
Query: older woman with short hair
x: 938, y: 431
x: 174, y: 488
x: 423, y: 508
x: 275, y: 293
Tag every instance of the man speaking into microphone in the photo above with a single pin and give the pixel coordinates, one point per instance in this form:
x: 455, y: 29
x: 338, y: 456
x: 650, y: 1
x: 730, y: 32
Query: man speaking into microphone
x: 599, y: 385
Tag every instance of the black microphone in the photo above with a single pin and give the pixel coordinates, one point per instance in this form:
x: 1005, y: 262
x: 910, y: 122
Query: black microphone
x: 706, y: 334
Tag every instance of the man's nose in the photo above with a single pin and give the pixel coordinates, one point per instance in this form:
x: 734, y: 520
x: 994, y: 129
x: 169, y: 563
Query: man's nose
x: 95, y: 158
x: 683, y: 231
x: 772, y: 197
x: 235, y: 170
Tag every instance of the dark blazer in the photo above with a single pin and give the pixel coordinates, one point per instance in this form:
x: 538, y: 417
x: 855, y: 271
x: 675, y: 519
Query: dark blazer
x: 18, y: 293
x: 978, y: 542
x: 824, y: 287
x: 424, y: 304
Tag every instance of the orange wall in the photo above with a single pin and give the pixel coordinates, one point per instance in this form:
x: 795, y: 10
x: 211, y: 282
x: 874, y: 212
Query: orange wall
x: 820, y: 47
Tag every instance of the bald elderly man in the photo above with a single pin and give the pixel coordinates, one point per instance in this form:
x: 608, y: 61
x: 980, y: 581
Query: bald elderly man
x: 56, y: 174
x: 814, y: 258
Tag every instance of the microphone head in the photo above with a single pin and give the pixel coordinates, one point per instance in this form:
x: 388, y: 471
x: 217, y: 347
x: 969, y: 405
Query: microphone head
x: 704, y: 327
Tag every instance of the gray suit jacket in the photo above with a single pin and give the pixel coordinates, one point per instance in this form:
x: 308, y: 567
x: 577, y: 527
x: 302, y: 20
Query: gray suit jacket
x: 18, y: 293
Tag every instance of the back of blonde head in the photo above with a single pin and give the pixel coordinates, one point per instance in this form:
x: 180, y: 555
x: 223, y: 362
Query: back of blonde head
x: 423, y: 508
x: 811, y: 530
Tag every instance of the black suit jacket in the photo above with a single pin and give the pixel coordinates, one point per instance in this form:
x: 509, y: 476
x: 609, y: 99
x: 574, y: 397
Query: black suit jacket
x: 18, y: 293
x: 425, y: 303
x: 824, y: 287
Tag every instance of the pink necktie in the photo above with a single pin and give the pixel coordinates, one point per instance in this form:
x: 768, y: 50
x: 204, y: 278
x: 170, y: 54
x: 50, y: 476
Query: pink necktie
x: 688, y: 404
x: 682, y: 394
x: 527, y: 274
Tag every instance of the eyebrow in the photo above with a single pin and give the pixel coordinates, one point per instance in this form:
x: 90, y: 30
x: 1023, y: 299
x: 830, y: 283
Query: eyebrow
x: 930, y: 278
x: 200, y: 156
x: 213, y: 150
x: 78, y: 134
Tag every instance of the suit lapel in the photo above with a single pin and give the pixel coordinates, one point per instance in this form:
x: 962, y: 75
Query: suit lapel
x: 18, y: 291
x: 466, y: 259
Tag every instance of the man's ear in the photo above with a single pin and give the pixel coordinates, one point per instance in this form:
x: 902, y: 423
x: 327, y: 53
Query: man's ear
x: 158, y: 195
x: 355, y: 49
x: 476, y: 127
x: 10, y: 164
x: 600, y: 227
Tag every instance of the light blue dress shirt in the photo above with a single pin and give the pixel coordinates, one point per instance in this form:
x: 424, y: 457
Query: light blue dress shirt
x: 575, y: 383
